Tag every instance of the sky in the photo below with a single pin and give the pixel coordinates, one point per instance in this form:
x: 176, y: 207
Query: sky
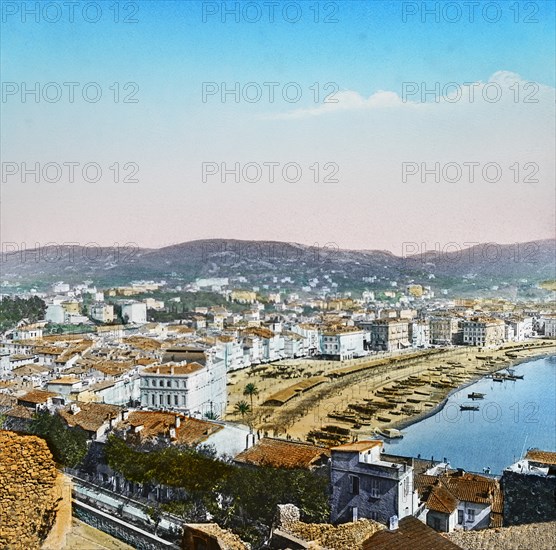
x: 368, y: 124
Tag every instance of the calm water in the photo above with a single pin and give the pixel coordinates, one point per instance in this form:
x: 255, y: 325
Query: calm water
x: 512, y: 417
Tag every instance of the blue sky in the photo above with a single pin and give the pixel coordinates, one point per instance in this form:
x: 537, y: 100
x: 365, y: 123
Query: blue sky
x: 170, y: 52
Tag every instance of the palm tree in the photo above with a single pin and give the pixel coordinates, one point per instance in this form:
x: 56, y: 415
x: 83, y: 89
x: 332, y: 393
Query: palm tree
x: 242, y: 407
x: 250, y: 391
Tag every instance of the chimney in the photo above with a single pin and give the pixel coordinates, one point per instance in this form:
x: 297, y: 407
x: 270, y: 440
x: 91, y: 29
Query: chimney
x: 178, y: 421
x: 172, y: 433
x: 125, y: 414
x: 172, y: 369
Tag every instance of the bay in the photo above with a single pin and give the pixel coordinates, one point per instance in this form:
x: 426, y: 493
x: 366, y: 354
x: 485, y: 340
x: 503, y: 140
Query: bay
x: 513, y: 417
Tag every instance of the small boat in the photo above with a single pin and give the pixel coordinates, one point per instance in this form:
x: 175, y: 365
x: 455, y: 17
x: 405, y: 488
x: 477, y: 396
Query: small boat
x: 475, y: 395
x: 497, y: 379
x: 468, y: 408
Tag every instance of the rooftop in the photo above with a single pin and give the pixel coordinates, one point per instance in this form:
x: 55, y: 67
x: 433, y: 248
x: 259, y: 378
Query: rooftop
x: 358, y: 446
x: 279, y: 453
x: 170, y: 369
x: 411, y: 534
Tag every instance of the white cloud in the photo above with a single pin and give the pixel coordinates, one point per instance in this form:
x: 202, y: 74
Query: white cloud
x: 502, y: 86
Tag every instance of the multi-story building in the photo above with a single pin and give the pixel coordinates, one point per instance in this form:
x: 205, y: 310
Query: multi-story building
x: 102, y: 312
x: 188, y: 387
x: 483, y: 331
x: 364, y: 485
x: 420, y: 334
x: 389, y: 334
x: 444, y: 330
x: 310, y: 335
x: 134, y: 312
x: 342, y: 343
x: 549, y: 322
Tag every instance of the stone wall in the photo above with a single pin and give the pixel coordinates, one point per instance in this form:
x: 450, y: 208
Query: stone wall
x: 528, y: 498
x: 31, y: 494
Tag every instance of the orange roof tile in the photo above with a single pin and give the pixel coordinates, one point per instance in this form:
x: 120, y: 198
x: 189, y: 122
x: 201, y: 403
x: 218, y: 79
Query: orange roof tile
x: 279, y: 453
x: 358, y: 446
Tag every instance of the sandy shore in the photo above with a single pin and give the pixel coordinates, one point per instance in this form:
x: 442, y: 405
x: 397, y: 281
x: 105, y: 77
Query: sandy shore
x: 419, y: 382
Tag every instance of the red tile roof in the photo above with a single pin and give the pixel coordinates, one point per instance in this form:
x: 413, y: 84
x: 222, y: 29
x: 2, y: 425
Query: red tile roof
x: 411, y: 534
x: 441, y: 500
x: 37, y: 396
x: 279, y: 453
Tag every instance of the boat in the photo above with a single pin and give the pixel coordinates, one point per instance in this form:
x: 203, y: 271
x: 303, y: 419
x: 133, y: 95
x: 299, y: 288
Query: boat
x: 497, y: 379
x: 468, y: 408
x: 390, y: 433
x: 475, y: 395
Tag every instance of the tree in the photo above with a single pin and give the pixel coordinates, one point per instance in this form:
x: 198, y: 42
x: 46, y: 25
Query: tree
x: 250, y: 391
x: 242, y: 407
x: 67, y: 445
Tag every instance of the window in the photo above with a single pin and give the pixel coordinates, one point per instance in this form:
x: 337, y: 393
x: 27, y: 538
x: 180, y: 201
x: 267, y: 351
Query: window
x: 161, y: 383
x: 460, y: 517
x: 175, y: 399
x: 406, y: 486
x: 146, y: 382
x: 153, y: 399
x: 168, y: 399
x: 374, y: 490
x: 470, y: 514
x: 374, y: 515
x: 168, y: 383
x: 354, y: 484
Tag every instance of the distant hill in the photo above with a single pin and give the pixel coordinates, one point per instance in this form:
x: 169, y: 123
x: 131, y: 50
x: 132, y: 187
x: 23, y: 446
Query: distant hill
x: 261, y: 261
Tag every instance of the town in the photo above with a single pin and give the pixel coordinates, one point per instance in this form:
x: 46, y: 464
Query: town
x: 219, y: 414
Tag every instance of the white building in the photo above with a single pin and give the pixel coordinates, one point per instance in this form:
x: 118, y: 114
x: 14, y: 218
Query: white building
x: 342, y: 343
x: 55, y: 313
x: 420, y: 334
x: 102, y: 312
x: 134, y: 312
x: 189, y: 387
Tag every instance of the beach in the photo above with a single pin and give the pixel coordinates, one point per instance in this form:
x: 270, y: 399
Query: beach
x: 330, y: 402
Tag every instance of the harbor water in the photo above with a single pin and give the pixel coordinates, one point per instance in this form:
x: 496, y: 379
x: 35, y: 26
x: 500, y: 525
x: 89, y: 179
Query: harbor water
x: 513, y: 417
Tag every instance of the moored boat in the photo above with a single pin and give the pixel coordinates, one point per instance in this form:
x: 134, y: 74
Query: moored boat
x: 468, y: 408
x: 475, y: 395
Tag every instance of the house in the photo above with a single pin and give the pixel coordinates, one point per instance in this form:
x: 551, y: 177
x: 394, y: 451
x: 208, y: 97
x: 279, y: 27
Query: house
x: 459, y: 500
x: 364, y: 485
x: 410, y: 534
x: 29, y: 331
x: 39, y: 400
x: 529, y: 488
x: 94, y: 418
x: 65, y: 385
x: 279, y: 453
